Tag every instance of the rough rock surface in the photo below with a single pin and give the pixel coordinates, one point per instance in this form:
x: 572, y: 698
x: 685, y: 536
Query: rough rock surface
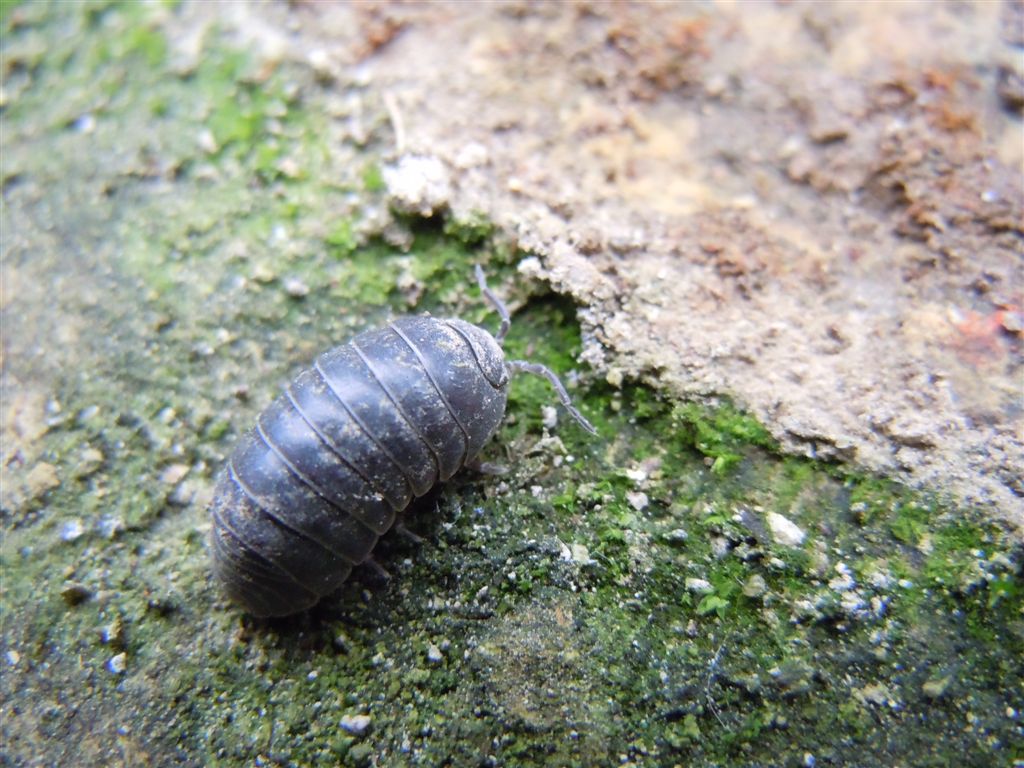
x: 835, y: 243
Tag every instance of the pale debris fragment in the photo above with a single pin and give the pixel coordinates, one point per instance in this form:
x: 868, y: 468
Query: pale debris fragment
x: 418, y: 184
x: 785, y: 531
x: 118, y: 664
x: 699, y: 586
x: 638, y: 500
x: 357, y: 725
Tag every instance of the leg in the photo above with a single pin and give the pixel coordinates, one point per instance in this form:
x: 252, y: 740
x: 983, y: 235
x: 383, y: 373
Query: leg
x: 499, y: 305
x: 537, y: 369
x: 379, y: 570
x: 405, y: 533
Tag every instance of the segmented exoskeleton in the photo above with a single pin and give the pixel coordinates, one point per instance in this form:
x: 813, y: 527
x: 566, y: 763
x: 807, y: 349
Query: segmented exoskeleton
x: 351, y: 441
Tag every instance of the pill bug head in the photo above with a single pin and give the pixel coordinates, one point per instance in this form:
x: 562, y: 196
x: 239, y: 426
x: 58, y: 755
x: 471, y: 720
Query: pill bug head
x: 489, y: 355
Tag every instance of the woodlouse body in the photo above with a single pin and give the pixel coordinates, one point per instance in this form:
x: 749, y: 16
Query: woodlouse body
x: 352, y: 440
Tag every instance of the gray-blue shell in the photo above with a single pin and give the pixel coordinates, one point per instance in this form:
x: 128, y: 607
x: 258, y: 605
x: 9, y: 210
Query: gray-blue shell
x: 353, y: 439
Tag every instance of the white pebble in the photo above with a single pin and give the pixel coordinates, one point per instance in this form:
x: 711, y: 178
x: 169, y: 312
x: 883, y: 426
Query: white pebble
x: 295, y: 288
x: 357, y: 725
x: 418, y: 184
x: 530, y: 267
x: 785, y: 531
x: 109, y: 526
x: 71, y: 530
x: 580, y: 554
x: 699, y: 586
x: 636, y: 475
x: 549, y: 416
x: 844, y: 582
x: 676, y: 536
x: 637, y: 500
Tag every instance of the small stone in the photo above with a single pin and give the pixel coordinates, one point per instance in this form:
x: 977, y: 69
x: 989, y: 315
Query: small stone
x: 113, y: 634
x: 852, y: 603
x: 90, y: 460
x: 1010, y: 87
x: 13, y: 657
x: 410, y: 286
x: 72, y: 529
x: 85, y: 123
x: 720, y: 547
x: 173, y: 474
x: 75, y: 593
x: 261, y: 273
x: 182, y: 495
x: 88, y: 413
x: 874, y: 693
x: 844, y: 581
x: 530, y: 267
x: 42, y: 478
x: 118, y: 664
x: 785, y: 531
x: 296, y: 288
x: 434, y: 655
x: 110, y: 526
x: 1013, y: 321
x: 471, y: 155
x: 580, y: 554
x: 289, y: 168
x: 360, y: 755
x: 794, y: 676
x: 637, y: 500
x: 676, y: 536
x: 936, y: 687
x: 357, y: 725
x: 880, y: 580
x: 699, y: 586
x: 549, y: 416
x: 418, y: 184
x: 207, y: 142
x: 716, y: 85
x: 755, y: 586
x: 638, y: 475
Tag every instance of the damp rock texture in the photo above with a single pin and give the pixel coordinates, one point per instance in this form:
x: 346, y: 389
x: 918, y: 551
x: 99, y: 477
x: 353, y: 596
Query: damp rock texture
x: 812, y: 208
x: 199, y: 198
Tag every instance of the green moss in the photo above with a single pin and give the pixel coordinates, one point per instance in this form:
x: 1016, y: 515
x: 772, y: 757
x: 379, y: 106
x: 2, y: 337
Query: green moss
x: 232, y: 269
x: 720, y: 433
x: 472, y: 230
x: 373, y: 179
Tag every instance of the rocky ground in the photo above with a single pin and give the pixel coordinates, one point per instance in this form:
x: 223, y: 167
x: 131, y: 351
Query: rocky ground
x: 773, y: 248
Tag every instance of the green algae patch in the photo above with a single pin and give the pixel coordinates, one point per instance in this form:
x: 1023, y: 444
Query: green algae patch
x: 721, y: 433
x: 632, y: 597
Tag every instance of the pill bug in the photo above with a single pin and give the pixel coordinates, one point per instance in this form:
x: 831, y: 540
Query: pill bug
x: 353, y: 439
